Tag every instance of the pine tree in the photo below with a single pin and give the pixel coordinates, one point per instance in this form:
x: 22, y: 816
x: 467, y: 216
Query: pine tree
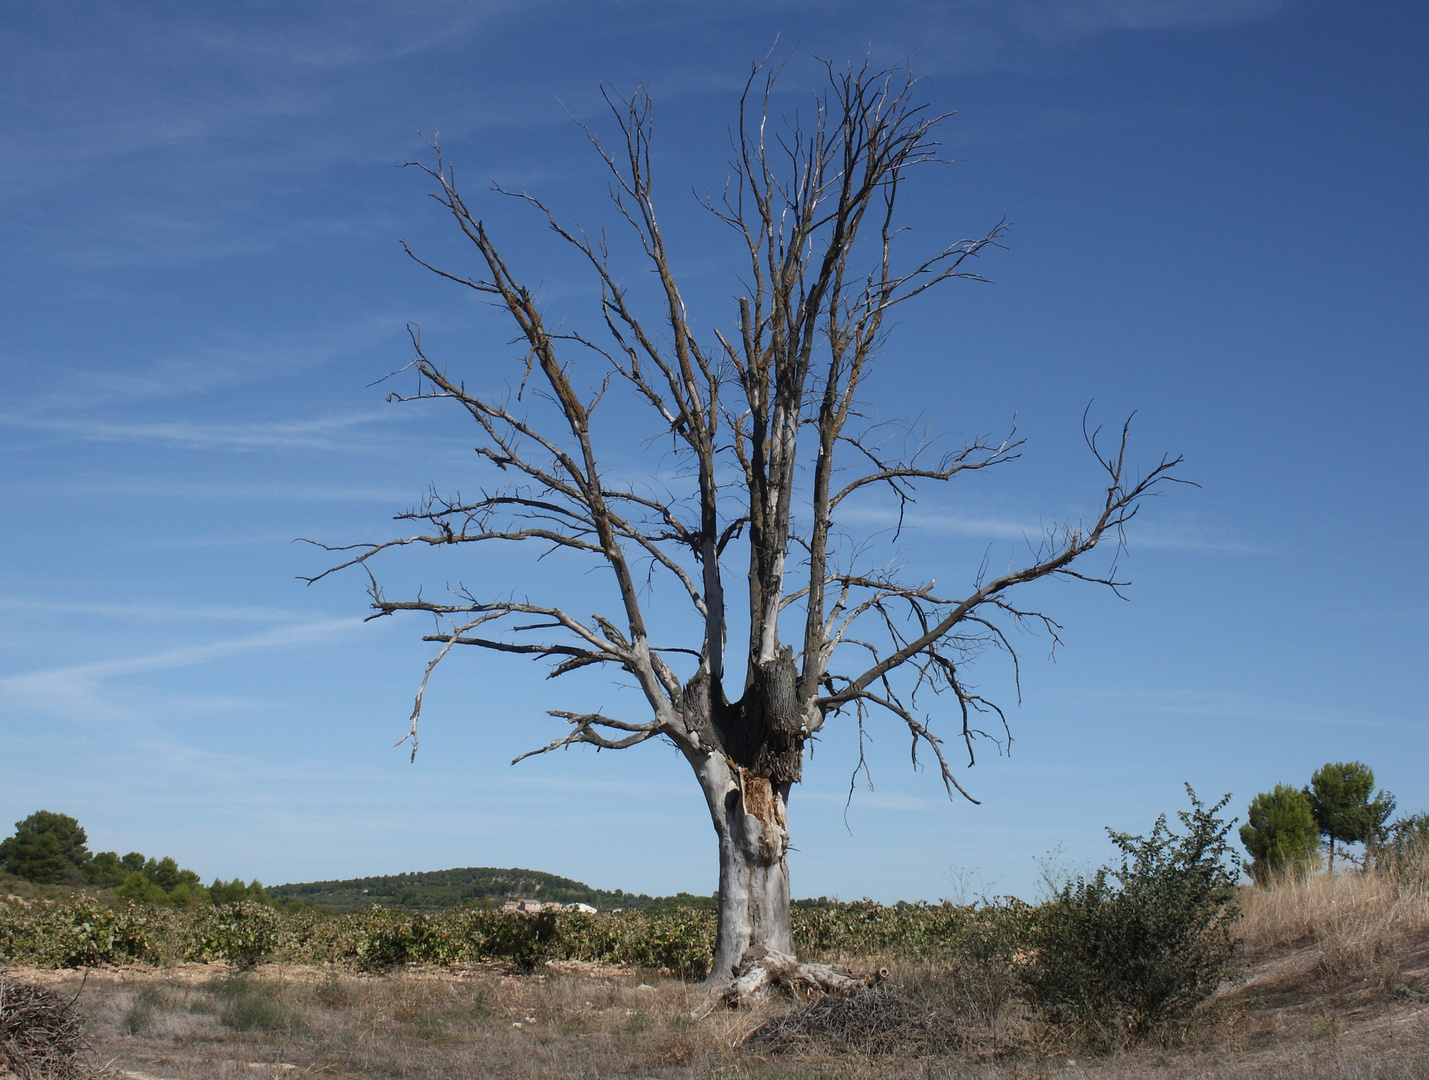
x: 46, y: 848
x: 1339, y: 795
x: 1280, y: 833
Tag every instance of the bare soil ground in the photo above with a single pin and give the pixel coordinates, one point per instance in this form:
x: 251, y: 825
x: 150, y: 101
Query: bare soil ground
x: 1287, y: 1015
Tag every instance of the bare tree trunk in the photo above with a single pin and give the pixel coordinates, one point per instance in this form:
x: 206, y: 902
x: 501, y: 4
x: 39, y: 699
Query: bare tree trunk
x: 754, y: 946
x: 749, y: 758
x: 748, y: 812
x: 753, y: 872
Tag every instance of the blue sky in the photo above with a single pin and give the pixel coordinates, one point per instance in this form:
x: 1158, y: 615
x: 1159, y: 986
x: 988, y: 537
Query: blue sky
x: 1218, y: 223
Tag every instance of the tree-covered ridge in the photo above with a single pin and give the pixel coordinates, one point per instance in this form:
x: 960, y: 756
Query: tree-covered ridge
x: 50, y: 849
x: 439, y: 890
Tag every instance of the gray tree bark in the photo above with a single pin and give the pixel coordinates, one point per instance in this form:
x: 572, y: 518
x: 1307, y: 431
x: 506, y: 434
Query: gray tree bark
x: 749, y: 756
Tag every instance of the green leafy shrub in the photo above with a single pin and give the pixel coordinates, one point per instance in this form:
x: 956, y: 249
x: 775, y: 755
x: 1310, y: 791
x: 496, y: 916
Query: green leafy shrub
x: 242, y: 933
x: 918, y: 931
x: 1139, y: 947
x: 81, y: 932
x: 526, y: 939
x: 681, y: 942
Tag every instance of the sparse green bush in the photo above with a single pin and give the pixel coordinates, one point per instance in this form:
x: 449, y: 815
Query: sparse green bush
x: 1138, y: 947
x: 249, y: 1004
x: 1403, y: 852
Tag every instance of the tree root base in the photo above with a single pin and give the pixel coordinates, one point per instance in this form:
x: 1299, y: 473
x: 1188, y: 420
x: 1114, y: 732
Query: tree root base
x: 761, y: 970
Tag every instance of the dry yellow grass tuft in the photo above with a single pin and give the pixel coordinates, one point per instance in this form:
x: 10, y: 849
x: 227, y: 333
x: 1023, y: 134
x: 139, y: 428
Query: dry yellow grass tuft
x: 1358, y: 921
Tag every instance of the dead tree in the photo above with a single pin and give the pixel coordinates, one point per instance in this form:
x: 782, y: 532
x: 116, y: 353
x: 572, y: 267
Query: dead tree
x: 771, y: 402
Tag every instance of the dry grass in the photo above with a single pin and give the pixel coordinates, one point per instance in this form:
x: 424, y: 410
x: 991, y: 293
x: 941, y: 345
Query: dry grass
x: 592, y: 1022
x: 1358, y: 924
x: 193, y: 1022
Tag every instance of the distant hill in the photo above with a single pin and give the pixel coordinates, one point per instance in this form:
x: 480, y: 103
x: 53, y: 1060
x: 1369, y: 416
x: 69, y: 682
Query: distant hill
x: 438, y: 890
x: 663, y: 905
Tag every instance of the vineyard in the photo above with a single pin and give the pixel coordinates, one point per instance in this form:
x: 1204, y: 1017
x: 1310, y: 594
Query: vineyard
x: 84, y: 932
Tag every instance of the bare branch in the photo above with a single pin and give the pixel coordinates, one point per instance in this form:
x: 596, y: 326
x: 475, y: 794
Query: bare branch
x: 585, y: 725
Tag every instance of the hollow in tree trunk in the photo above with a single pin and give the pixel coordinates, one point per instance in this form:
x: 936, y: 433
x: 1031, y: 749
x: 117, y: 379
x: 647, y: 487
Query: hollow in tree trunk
x: 750, y: 757
x: 749, y: 816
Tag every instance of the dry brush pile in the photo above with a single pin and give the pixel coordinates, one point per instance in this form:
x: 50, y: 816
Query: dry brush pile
x: 41, y: 1036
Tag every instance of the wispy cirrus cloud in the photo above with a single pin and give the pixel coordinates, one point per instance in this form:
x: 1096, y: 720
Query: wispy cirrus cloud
x: 74, y: 102
x: 95, y: 402
x: 143, y: 611
x: 257, y: 491
x: 980, y: 35
x: 317, y: 433
x: 85, y: 691
x: 170, y: 136
x: 1186, y: 535
x: 1240, y: 707
x: 1062, y: 21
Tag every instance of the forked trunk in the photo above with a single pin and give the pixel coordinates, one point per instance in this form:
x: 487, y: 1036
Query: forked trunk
x: 750, y: 756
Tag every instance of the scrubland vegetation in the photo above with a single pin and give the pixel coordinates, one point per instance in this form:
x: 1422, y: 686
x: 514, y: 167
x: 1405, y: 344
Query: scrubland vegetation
x: 1159, y: 964
x: 1328, y: 980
